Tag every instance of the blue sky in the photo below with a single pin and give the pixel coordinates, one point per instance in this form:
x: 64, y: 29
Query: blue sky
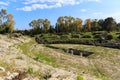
x: 25, y: 11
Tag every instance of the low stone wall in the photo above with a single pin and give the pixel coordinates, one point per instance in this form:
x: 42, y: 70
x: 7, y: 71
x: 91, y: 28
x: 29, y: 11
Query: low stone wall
x: 78, y: 52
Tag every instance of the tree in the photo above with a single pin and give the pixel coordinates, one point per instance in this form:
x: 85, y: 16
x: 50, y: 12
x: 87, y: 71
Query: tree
x: 118, y: 27
x: 3, y: 14
x: 101, y: 23
x: 88, y: 24
x: 109, y: 24
x: 60, y: 24
x: 65, y: 24
x: 46, y: 25
x: 78, y: 24
x: 95, y: 25
x: 41, y: 23
x: 34, y: 24
x: 39, y: 26
x: 10, y: 23
x: 6, y: 22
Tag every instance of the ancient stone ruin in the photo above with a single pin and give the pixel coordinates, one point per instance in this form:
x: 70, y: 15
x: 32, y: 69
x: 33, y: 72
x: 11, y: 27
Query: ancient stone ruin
x: 78, y: 52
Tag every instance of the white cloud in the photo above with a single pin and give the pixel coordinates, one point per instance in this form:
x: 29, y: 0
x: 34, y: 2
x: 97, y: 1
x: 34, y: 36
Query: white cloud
x: 83, y: 10
x: 30, y: 5
x: 94, y: 0
x: 4, y: 3
x: 72, y: 2
x: 39, y: 6
x: 46, y: 4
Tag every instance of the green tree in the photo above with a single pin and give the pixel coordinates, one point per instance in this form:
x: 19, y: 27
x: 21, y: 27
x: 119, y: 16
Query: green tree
x: 46, y: 25
x: 109, y: 24
x: 6, y: 22
x: 3, y: 14
x: 95, y: 25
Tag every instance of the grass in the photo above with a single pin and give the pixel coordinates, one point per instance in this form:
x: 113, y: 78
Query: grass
x: 44, y: 55
x: 25, y: 46
x: 103, y: 60
x: 20, y: 57
x: 30, y: 70
x: 45, y: 58
x: 32, y: 51
x: 79, y: 77
x: 3, y: 64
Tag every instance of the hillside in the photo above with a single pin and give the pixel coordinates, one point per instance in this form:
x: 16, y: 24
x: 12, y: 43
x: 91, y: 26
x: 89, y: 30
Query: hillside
x: 23, y: 59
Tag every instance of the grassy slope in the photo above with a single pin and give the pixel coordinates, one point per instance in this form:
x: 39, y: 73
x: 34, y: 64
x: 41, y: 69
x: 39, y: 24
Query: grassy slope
x: 104, y: 64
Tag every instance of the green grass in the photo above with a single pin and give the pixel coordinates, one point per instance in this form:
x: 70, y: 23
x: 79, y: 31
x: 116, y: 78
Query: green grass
x: 79, y: 77
x: 30, y: 70
x: 30, y: 50
x: 43, y: 55
x: 45, y: 58
x: 103, y: 59
x: 26, y: 46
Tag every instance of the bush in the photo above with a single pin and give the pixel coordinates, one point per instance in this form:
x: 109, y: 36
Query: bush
x: 96, y: 33
x: 109, y: 37
x: 97, y: 36
x: 30, y: 70
x: 65, y: 36
x: 118, y: 37
x: 86, y: 36
x: 17, y: 35
x: 76, y: 36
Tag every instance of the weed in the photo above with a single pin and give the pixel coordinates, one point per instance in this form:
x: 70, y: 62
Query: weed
x: 30, y: 70
x: 79, y: 77
x: 20, y: 57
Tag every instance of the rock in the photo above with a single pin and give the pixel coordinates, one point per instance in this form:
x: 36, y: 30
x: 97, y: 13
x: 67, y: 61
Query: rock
x: 53, y: 79
x: 1, y: 78
x: 59, y: 74
x: 10, y: 76
x: 2, y: 69
x: 31, y: 78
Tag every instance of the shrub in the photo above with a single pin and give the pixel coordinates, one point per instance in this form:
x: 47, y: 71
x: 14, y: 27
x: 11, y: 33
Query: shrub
x: 17, y: 35
x: 76, y: 36
x: 104, y: 34
x: 96, y: 33
x: 86, y: 36
x: 65, y: 36
x: 117, y: 33
x: 30, y: 70
x: 109, y: 37
x: 118, y: 37
x: 97, y: 36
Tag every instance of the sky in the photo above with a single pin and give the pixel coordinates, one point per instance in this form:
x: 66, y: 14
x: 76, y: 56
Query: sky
x: 25, y: 11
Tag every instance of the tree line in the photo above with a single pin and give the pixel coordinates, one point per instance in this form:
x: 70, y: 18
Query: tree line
x: 64, y: 24
x: 69, y: 24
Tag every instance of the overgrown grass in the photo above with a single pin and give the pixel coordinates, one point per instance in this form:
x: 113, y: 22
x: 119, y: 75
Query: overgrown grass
x: 103, y: 59
x: 45, y: 58
x: 25, y: 47
x: 32, y: 51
